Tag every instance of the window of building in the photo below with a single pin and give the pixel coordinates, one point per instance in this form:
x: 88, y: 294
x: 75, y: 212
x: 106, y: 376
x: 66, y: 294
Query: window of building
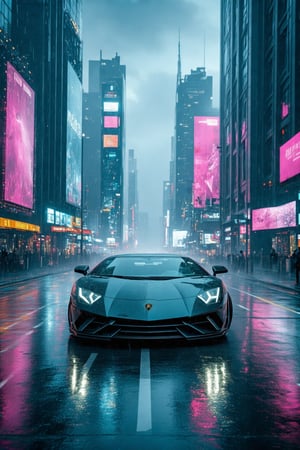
x: 283, y: 54
x: 267, y: 159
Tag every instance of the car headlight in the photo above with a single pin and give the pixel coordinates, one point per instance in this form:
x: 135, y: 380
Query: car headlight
x: 210, y: 296
x: 88, y: 296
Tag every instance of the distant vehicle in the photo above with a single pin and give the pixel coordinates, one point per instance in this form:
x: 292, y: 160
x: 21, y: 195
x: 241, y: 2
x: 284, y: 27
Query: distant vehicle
x: 149, y: 297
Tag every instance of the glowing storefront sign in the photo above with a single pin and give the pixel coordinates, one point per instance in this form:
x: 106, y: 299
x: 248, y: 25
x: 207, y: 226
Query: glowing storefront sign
x: 274, y: 217
x: 17, y: 225
x: 56, y: 229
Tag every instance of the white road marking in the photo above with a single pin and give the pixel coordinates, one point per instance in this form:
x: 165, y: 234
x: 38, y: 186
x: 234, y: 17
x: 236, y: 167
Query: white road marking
x: 266, y: 301
x: 21, y: 318
x: 89, y: 363
x: 3, y: 383
x: 244, y: 307
x: 85, y: 370
x: 14, y: 344
x: 144, y: 420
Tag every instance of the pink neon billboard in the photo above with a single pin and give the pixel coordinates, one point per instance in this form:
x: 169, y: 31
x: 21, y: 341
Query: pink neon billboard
x: 19, y: 140
x: 274, y: 217
x: 206, y: 184
x: 290, y: 158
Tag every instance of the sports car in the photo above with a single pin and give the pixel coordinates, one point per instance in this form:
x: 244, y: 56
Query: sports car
x: 149, y: 297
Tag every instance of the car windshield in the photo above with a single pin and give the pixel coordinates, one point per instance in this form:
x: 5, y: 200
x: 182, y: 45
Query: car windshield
x: 149, y: 267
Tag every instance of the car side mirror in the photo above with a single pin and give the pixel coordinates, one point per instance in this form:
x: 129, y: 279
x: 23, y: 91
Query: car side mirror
x: 219, y: 269
x: 83, y: 269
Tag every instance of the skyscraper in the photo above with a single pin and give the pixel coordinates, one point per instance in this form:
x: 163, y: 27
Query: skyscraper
x: 193, y: 103
x: 260, y: 126
x: 106, y: 96
x: 194, y: 98
x: 45, y: 63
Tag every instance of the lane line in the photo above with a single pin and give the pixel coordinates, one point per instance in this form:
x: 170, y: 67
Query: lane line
x: 244, y: 307
x: 267, y: 301
x: 3, y: 383
x: 85, y: 370
x: 89, y: 363
x: 144, y: 420
x: 20, y: 319
x: 16, y: 343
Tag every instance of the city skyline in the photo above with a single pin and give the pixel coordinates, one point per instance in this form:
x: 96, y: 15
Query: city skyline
x: 150, y: 54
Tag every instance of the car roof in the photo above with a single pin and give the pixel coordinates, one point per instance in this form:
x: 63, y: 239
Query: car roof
x: 144, y: 254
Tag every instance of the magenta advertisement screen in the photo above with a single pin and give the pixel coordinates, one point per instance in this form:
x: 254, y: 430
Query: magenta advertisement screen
x: 74, y: 139
x: 274, y: 217
x: 290, y: 158
x: 111, y: 121
x: 19, y: 141
x: 206, y: 184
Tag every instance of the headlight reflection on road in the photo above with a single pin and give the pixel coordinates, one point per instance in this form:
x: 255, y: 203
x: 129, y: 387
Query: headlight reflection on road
x: 108, y: 394
x: 74, y: 375
x: 215, y: 379
x: 209, y: 395
x: 79, y: 380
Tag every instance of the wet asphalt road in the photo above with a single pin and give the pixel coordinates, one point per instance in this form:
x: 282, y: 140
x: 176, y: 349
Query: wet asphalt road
x: 242, y: 392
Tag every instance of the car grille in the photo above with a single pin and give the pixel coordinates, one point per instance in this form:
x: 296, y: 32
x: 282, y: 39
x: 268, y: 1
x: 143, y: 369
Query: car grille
x: 200, y: 327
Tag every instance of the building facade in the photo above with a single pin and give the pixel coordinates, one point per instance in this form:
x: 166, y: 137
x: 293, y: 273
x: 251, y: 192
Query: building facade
x: 106, y: 97
x: 194, y: 169
x: 260, y: 124
x: 41, y: 112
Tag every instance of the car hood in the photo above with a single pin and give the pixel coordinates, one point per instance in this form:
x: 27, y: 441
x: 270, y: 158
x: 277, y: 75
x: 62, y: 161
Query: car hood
x: 148, y: 299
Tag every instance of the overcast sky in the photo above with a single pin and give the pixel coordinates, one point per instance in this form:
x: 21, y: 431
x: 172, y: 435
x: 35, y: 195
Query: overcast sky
x: 145, y: 33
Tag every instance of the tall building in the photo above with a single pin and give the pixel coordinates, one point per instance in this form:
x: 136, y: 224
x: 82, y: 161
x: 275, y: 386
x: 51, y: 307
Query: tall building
x: 106, y: 97
x: 41, y: 70
x: 260, y: 116
x: 194, y: 98
x: 192, y: 149
x: 5, y: 17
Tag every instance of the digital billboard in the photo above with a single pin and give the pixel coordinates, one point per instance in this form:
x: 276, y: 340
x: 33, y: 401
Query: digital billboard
x: 111, y: 106
x: 19, y: 140
x: 179, y: 238
x: 289, y: 165
x: 111, y: 121
x: 110, y: 140
x: 274, y: 217
x: 211, y: 238
x: 206, y: 185
x: 74, y: 139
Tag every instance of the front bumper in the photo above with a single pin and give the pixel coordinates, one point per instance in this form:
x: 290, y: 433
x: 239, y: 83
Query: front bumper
x: 206, y: 326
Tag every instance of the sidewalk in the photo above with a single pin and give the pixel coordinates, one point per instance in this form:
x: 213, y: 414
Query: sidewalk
x: 286, y: 280
x: 17, y: 277
x: 283, y: 279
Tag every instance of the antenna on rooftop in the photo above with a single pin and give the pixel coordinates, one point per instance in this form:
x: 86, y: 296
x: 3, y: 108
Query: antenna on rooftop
x: 204, y: 44
x: 179, y: 61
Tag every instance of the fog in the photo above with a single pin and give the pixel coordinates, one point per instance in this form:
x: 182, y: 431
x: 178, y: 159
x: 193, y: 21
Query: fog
x: 145, y: 34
